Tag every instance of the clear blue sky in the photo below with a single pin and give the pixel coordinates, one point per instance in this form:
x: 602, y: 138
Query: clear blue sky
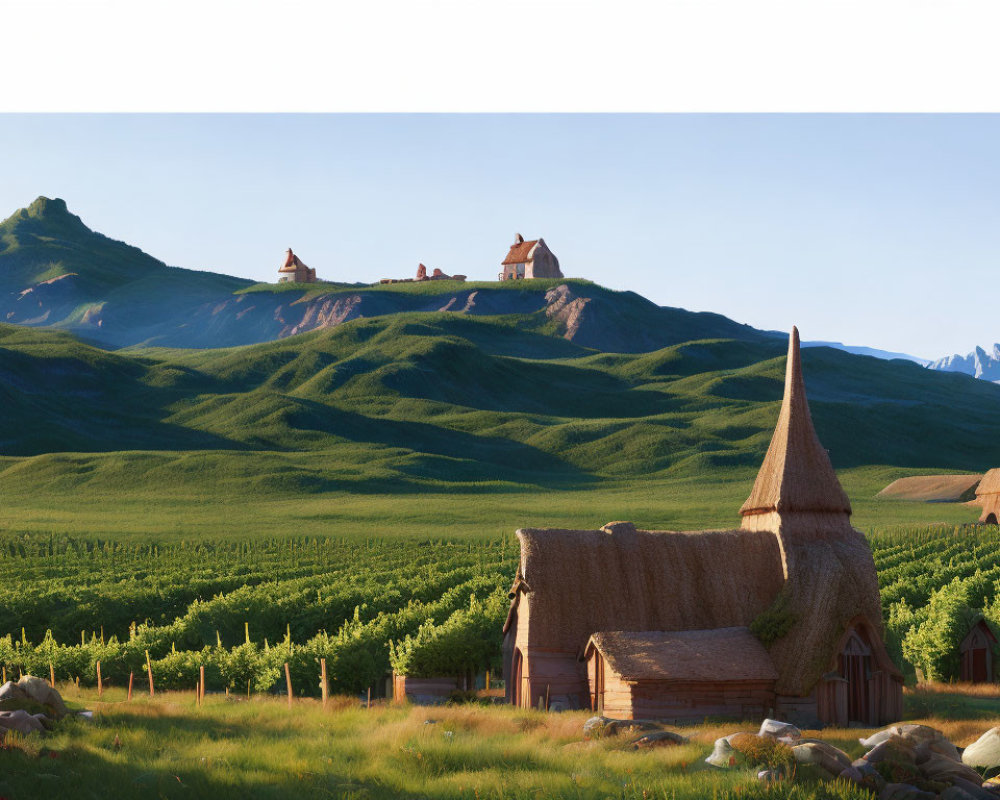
x: 867, y: 229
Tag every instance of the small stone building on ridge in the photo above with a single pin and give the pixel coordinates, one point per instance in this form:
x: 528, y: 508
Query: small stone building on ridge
x: 658, y: 623
x: 988, y: 496
x: 531, y: 259
x: 294, y: 271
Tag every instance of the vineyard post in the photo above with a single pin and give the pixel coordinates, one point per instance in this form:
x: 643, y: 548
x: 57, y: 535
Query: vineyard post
x: 546, y: 697
x: 52, y: 676
x: 248, y: 688
x: 4, y: 674
x: 100, y: 682
x: 288, y: 682
x: 149, y: 669
x: 324, y: 687
x: 369, y: 704
x: 201, y: 676
x: 131, y: 677
x: 487, y: 680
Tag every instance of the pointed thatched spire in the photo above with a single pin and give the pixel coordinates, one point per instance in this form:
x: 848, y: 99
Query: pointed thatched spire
x: 796, y: 475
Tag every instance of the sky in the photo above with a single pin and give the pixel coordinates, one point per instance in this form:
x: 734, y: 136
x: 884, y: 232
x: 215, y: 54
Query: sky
x: 877, y: 230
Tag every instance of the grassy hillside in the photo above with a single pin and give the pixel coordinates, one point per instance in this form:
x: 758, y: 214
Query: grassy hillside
x: 417, y: 421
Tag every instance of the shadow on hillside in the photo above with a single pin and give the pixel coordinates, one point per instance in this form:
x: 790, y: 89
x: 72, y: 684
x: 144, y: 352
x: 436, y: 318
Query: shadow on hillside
x: 450, y: 455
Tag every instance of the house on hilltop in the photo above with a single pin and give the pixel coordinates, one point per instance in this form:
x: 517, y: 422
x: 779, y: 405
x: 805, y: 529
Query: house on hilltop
x: 778, y: 617
x: 988, y: 496
x: 529, y: 259
x: 294, y: 271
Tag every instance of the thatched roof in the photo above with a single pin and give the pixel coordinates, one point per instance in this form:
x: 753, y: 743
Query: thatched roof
x: 623, y: 579
x: 990, y: 484
x: 724, y: 654
x: 796, y: 475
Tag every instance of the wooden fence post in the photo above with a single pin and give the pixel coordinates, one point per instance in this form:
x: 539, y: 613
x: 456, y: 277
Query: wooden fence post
x: 324, y: 687
x: 52, y: 676
x: 5, y: 675
x: 149, y: 669
x: 100, y: 682
x: 369, y: 705
x: 288, y: 682
x: 201, y: 682
x: 131, y: 677
x: 546, y: 697
x: 487, y: 680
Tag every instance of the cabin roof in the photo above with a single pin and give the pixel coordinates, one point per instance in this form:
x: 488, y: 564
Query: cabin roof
x: 796, y: 475
x: 292, y: 262
x: 519, y: 252
x: 723, y: 654
x: 621, y: 578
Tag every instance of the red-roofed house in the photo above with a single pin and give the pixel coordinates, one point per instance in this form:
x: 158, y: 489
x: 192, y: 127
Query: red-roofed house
x: 295, y: 271
x: 529, y: 259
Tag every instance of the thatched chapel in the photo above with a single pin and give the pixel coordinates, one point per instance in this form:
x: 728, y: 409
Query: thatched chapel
x: 988, y: 496
x: 780, y: 617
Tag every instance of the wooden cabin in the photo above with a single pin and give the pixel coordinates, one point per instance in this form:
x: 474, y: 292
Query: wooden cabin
x: 294, y: 271
x: 679, y: 675
x: 611, y: 615
x: 988, y: 497
x: 976, y: 651
x: 529, y: 259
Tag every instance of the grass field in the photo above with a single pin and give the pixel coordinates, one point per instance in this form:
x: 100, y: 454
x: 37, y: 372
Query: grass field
x: 170, y: 748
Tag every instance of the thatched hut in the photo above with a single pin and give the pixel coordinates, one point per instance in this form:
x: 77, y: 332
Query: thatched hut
x: 988, y: 497
x: 976, y: 651
x: 658, y: 623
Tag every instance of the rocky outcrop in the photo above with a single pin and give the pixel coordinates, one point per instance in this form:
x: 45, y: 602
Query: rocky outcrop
x: 979, y: 363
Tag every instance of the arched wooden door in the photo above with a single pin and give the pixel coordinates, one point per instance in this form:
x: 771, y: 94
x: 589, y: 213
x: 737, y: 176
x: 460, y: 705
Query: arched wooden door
x: 855, y: 666
x: 517, y: 678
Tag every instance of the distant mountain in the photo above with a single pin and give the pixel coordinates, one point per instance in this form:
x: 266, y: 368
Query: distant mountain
x: 868, y: 351
x: 979, y: 363
x: 56, y: 272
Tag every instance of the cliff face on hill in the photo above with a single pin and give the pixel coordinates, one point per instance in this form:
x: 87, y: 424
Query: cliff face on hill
x: 56, y: 272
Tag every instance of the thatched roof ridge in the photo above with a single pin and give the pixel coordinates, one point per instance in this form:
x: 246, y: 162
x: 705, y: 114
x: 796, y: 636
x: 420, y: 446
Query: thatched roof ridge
x: 723, y: 654
x: 990, y: 484
x: 292, y: 262
x: 620, y: 578
x: 796, y: 475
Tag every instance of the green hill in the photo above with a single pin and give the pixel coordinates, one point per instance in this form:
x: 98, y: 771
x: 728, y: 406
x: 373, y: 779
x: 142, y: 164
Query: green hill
x: 411, y: 400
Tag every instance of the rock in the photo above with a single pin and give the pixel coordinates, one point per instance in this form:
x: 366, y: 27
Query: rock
x: 594, y: 727
x: 993, y: 786
x: 955, y: 793
x: 605, y: 726
x: 38, y: 690
x: 852, y: 775
x: 985, y: 751
x: 769, y: 775
x: 876, y: 738
x: 723, y: 754
x: 20, y: 721
x: 904, y: 791
x: 824, y: 755
x: 942, y: 768
x: 11, y: 691
x: 974, y: 788
x: 779, y: 730
x: 659, y: 739
x: 895, y: 748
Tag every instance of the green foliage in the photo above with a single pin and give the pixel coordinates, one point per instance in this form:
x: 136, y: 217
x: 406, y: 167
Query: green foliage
x: 775, y: 621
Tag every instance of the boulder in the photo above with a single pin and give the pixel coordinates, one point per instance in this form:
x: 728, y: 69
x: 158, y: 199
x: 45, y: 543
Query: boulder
x: 39, y: 691
x: 779, y: 730
x: 594, y: 727
x: 723, y: 754
x: 941, y: 768
x: 11, y: 691
x: 904, y: 791
x: 20, y: 721
x: 823, y: 755
x: 769, y: 775
x: 974, y: 789
x: 985, y: 751
x: 659, y: 739
x: 956, y: 793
